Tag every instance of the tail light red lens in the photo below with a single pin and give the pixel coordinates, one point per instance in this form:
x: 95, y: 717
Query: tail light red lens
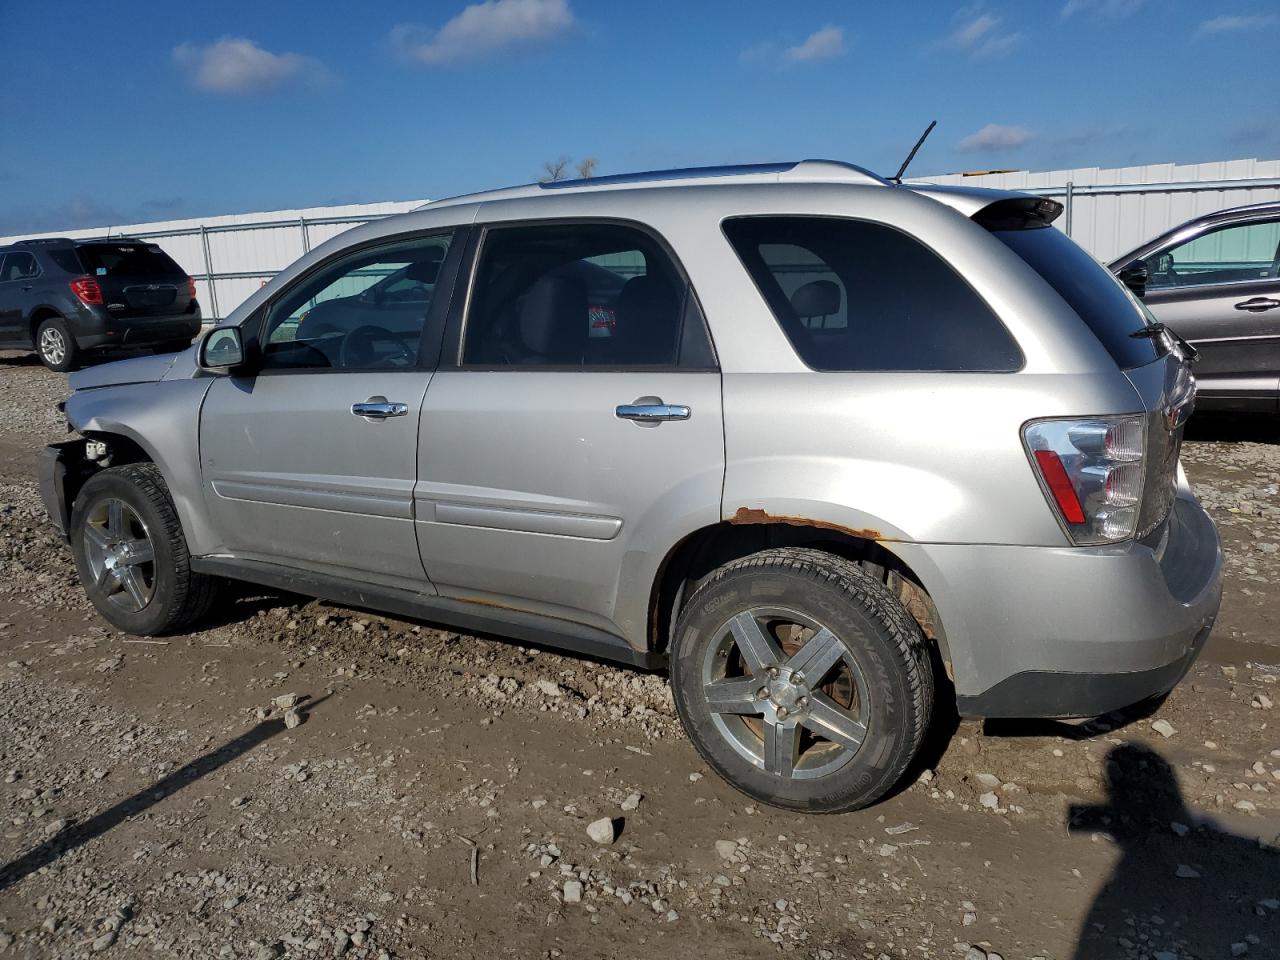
x: 1092, y: 473
x: 88, y: 290
x: 191, y: 287
x: 1059, y: 484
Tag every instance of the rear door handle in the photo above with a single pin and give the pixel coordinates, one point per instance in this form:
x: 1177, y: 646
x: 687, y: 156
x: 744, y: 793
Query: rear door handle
x: 1258, y: 304
x: 379, y: 408
x: 652, y: 410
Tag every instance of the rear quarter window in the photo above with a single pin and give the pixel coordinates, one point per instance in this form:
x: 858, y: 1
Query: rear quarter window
x: 66, y: 260
x: 856, y: 295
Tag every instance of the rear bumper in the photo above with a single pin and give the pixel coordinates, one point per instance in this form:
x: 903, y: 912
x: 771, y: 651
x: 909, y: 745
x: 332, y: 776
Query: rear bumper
x: 140, y: 331
x: 1077, y: 631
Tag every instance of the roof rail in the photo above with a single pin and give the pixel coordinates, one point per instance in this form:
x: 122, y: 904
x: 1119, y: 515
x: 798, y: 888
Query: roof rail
x: 44, y: 240
x: 789, y: 170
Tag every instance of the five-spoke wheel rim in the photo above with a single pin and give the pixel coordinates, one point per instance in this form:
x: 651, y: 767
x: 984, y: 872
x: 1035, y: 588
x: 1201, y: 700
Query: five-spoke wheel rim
x: 52, y: 345
x: 120, y: 555
x: 785, y: 693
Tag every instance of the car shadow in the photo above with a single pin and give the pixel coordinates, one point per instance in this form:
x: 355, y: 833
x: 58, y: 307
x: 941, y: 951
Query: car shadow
x: 1183, y: 886
x: 77, y: 834
x: 1074, y: 729
x: 1234, y: 428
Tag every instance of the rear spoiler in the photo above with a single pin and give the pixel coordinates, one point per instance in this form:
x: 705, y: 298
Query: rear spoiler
x: 1018, y: 213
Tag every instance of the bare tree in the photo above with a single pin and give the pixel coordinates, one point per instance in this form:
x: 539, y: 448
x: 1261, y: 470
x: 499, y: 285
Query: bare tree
x: 554, y: 170
x: 587, y: 168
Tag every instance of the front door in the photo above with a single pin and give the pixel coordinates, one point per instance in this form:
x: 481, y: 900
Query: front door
x: 16, y: 271
x: 1221, y: 291
x: 311, y: 461
x: 582, y: 424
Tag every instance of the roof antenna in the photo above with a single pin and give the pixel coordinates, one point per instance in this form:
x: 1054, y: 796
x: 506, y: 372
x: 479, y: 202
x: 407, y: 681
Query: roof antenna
x: 897, y: 177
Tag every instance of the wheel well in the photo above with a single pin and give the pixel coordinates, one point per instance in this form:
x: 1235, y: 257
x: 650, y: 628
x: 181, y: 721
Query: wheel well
x: 39, y: 316
x: 120, y: 450
x: 701, y: 553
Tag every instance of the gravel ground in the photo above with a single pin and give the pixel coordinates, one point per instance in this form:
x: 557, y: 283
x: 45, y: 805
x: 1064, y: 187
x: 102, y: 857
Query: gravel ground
x: 163, y: 799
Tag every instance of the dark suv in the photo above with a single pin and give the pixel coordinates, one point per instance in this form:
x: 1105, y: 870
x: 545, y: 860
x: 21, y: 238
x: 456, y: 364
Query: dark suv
x: 1215, y: 281
x: 64, y: 297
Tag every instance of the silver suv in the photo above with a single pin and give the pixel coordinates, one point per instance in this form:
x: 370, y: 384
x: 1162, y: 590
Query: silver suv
x: 817, y: 443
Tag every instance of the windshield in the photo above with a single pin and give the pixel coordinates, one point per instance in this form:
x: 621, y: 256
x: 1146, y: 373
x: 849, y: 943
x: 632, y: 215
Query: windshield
x: 1102, y: 301
x: 127, y: 260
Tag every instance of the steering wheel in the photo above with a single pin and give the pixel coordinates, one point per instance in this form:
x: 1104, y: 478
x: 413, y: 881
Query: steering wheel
x: 359, y: 348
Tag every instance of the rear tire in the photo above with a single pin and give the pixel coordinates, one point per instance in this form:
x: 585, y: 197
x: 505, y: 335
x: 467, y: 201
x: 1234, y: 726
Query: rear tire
x: 56, y: 347
x: 803, y: 681
x: 131, y: 554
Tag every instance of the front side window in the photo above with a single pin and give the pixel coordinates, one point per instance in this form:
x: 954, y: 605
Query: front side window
x: 1234, y: 254
x: 580, y: 295
x: 367, y: 311
x: 854, y: 295
x: 19, y: 266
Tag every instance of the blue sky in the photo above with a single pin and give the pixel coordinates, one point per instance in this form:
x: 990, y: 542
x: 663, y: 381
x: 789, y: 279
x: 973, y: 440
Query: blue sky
x: 125, y: 112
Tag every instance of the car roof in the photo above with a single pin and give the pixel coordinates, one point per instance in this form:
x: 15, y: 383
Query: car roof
x: 834, y: 172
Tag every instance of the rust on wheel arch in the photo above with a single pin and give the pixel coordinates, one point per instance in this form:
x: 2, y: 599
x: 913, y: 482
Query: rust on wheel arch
x: 756, y: 515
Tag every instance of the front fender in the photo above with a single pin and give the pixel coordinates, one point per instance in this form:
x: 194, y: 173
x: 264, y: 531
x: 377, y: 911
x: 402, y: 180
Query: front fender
x: 162, y: 419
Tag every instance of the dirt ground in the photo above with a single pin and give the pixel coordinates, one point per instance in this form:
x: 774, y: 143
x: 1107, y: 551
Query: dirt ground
x: 434, y: 802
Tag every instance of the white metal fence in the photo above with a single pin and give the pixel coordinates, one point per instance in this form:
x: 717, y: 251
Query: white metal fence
x: 1108, y: 211
x: 1111, y: 211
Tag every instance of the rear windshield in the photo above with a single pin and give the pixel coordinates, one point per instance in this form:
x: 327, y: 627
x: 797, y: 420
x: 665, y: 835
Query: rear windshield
x: 1101, y: 301
x: 127, y: 260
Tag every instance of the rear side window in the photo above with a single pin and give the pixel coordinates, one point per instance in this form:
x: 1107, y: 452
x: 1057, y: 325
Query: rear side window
x: 581, y: 295
x: 854, y: 295
x: 1101, y: 301
x: 127, y: 260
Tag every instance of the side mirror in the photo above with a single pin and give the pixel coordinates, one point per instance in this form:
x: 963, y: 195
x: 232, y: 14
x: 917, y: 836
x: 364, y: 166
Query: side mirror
x: 1134, y: 276
x: 222, y: 350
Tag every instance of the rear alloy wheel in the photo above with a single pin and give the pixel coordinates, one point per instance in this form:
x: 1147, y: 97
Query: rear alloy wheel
x: 802, y: 680
x: 55, y: 346
x: 131, y: 554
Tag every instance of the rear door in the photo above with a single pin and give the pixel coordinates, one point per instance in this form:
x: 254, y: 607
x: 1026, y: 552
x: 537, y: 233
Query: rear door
x: 578, y: 416
x: 1221, y: 291
x: 137, y: 279
x: 311, y: 461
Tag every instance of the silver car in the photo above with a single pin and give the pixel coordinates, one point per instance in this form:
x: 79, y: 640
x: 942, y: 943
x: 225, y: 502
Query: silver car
x: 829, y: 449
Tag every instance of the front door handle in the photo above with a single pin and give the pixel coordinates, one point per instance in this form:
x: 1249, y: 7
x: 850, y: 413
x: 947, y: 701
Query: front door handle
x: 379, y: 408
x: 651, y: 410
x: 1258, y: 304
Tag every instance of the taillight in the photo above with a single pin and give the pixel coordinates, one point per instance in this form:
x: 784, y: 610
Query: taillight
x: 88, y: 290
x: 1092, y: 473
x: 191, y: 287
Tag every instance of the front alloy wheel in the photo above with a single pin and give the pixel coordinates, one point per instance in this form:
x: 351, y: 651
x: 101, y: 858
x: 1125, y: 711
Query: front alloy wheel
x: 131, y: 554
x: 120, y: 555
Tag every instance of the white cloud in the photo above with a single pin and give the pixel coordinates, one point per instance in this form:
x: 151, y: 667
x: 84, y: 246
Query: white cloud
x: 237, y: 65
x: 995, y: 136
x: 1234, y: 24
x: 823, y: 44
x: 483, y: 29
x: 820, y: 45
x: 982, y: 36
x: 1113, y: 9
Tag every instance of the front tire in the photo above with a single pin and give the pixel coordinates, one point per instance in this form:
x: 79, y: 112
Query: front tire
x: 803, y: 681
x: 56, y: 347
x: 131, y: 554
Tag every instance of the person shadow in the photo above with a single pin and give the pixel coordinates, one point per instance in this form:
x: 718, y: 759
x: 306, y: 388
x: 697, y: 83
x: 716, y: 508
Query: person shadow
x: 1184, y: 888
